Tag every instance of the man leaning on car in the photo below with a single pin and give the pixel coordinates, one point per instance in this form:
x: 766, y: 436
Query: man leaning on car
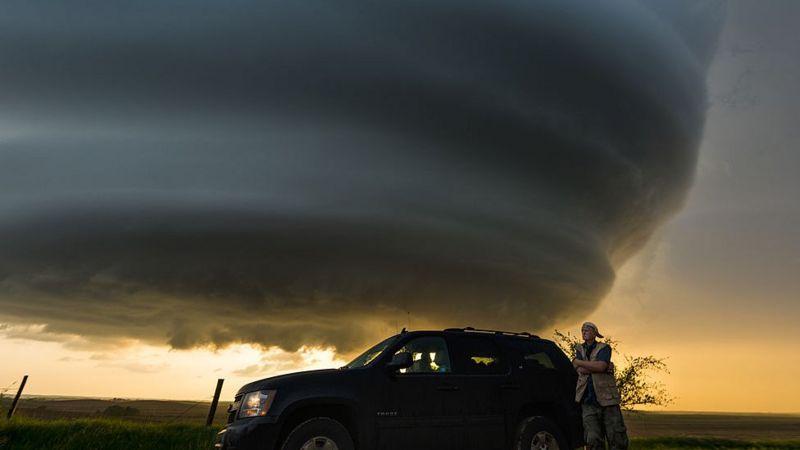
x: 597, y: 392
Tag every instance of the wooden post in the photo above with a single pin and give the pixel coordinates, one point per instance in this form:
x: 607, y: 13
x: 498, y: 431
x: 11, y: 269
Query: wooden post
x: 16, y: 398
x: 213, y: 410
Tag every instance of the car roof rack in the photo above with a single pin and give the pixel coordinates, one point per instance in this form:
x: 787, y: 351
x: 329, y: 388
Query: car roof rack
x: 498, y: 332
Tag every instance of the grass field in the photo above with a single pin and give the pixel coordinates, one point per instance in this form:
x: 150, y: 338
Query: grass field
x: 102, y: 434
x: 79, y: 424
x: 106, y: 434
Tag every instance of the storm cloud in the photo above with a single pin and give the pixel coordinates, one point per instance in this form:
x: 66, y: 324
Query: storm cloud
x: 309, y: 173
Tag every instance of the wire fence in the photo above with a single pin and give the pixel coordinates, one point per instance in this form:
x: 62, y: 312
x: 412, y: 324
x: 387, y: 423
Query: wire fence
x: 139, y: 410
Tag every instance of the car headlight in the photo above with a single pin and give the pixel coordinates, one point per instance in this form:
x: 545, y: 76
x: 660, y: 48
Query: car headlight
x: 256, y: 403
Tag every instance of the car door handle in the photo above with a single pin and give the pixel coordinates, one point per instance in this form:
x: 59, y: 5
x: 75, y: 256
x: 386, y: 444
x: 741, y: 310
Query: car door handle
x: 510, y: 386
x: 447, y: 387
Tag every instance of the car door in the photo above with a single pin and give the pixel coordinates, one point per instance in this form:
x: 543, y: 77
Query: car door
x: 413, y: 412
x: 541, y: 374
x: 480, y: 372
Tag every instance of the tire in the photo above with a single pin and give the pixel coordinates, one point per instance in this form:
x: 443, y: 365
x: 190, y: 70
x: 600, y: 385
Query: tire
x: 539, y: 433
x: 320, y: 433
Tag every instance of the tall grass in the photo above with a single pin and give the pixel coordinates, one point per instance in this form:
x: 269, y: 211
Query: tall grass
x: 102, y: 434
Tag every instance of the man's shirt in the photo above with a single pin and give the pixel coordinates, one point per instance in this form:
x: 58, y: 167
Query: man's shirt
x: 604, y: 354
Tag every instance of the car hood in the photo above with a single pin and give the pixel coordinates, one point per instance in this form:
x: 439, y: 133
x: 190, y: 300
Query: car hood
x: 291, y: 379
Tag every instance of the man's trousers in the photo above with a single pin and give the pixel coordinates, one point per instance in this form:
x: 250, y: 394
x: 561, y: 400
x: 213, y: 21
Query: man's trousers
x: 604, y: 423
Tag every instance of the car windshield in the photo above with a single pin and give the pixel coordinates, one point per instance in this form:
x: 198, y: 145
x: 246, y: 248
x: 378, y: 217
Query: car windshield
x: 369, y: 355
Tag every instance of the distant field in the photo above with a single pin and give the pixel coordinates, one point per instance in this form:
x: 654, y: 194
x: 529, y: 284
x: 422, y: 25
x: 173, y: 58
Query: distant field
x: 150, y: 411
x: 710, y: 443
x: 66, y: 424
x: 716, y: 425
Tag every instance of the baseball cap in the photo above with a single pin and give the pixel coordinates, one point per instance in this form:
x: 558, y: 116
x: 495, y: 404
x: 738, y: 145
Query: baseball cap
x: 592, y: 325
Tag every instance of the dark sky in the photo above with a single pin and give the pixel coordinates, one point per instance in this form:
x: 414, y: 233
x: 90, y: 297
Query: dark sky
x: 306, y: 173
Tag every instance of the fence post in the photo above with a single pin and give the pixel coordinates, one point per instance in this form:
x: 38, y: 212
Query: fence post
x: 213, y: 410
x: 16, y: 398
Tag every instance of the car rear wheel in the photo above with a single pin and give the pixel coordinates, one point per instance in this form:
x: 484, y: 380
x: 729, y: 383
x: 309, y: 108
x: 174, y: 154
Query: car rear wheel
x: 539, y: 433
x: 319, y: 433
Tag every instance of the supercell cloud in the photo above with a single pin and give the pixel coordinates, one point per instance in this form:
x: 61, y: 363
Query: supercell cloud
x: 290, y: 173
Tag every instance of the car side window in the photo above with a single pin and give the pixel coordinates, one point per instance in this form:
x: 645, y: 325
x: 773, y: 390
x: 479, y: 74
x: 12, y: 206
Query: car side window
x: 559, y: 360
x: 429, y: 354
x: 480, y: 356
x: 539, y: 354
x: 538, y: 360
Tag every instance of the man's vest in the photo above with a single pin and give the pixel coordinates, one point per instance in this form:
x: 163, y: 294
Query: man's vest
x: 605, y: 386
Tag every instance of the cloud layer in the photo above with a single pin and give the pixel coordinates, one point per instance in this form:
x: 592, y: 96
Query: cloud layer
x: 311, y: 173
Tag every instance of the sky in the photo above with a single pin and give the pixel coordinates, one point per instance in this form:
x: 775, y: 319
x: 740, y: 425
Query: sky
x: 198, y: 196
x: 716, y: 290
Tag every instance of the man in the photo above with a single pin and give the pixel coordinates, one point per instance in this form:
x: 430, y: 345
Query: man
x: 597, y: 392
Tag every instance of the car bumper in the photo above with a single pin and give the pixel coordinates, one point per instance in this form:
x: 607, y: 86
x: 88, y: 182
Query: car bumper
x: 258, y: 433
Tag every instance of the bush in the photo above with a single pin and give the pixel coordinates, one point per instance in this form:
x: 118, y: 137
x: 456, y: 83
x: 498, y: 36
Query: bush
x: 635, y: 387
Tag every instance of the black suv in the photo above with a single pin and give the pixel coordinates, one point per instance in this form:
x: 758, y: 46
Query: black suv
x: 459, y: 388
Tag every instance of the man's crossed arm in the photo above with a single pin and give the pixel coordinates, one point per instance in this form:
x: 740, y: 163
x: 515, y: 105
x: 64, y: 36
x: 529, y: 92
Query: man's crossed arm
x: 585, y: 367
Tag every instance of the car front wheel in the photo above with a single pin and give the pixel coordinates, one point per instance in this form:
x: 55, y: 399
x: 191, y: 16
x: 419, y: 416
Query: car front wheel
x: 539, y: 433
x: 319, y: 433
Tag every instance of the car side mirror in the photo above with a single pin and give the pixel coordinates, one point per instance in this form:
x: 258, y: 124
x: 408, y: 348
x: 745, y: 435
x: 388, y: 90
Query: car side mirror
x: 402, y: 360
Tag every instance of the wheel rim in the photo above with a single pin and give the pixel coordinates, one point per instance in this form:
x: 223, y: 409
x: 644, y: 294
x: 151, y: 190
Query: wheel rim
x: 544, y: 441
x: 320, y: 443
